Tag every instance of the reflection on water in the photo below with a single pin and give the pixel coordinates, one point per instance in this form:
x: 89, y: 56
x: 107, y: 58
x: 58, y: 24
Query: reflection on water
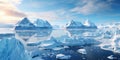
x: 81, y: 32
x: 46, y: 44
x: 31, y: 35
x: 24, y: 35
x: 43, y: 32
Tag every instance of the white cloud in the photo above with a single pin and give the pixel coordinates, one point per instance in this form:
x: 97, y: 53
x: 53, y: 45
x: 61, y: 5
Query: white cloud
x: 91, y: 6
x: 11, y: 1
x: 9, y: 12
x: 43, y: 15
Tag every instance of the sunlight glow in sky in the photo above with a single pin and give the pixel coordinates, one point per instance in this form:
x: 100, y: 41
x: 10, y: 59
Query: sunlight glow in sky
x: 60, y: 11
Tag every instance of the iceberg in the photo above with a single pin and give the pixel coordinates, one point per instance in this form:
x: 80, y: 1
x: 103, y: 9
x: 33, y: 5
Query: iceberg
x: 88, y: 23
x: 39, y: 23
x: 74, y: 24
x: 79, y: 25
x: 12, y: 49
x: 111, y: 36
x: 24, y: 24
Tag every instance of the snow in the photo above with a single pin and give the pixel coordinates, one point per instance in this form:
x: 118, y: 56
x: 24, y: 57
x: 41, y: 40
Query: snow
x: 12, y: 49
x: 62, y: 56
x: 76, y: 24
x: 39, y: 23
x: 111, y: 57
x: 42, y: 23
x: 24, y: 24
x: 89, y: 24
x: 82, y: 51
x: 110, y: 35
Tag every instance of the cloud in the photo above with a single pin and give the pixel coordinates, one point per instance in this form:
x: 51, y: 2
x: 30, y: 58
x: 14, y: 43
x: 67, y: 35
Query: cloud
x: 14, y: 13
x: 54, y: 17
x: 48, y: 15
x: 11, y: 1
x: 87, y: 7
x: 9, y: 12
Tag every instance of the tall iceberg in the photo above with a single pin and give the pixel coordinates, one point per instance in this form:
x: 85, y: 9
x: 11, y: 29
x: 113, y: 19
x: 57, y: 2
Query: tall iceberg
x: 12, y: 49
x: 39, y: 23
x: 89, y: 24
x: 74, y: 24
x: 79, y: 25
x: 24, y: 24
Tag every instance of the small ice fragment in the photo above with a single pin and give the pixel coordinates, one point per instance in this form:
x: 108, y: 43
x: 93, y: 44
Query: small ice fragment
x: 82, y: 51
x: 62, y: 56
x: 111, y: 57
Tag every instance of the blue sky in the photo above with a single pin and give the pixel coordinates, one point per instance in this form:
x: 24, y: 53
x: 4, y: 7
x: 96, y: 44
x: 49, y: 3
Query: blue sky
x: 62, y: 11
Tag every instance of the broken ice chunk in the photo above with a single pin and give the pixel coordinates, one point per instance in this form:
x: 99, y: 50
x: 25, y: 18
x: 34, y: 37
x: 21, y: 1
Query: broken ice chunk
x: 62, y: 56
x: 82, y: 51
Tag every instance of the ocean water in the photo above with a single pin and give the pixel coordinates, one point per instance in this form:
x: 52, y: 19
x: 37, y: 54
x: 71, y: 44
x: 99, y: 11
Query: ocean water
x: 47, y: 44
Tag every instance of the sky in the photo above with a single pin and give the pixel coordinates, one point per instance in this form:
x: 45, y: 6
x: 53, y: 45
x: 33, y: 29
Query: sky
x: 59, y: 12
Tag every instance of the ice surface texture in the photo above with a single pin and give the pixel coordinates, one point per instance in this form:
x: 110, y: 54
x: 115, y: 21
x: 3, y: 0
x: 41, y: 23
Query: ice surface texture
x: 12, y: 49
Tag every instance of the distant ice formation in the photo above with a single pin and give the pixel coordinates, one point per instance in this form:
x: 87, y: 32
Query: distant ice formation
x: 39, y: 23
x: 79, y: 25
x: 25, y: 24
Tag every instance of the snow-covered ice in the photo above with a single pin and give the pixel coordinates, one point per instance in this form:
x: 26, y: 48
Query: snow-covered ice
x: 42, y: 23
x: 75, y: 24
x: 82, y: 51
x: 12, y: 49
x: 111, y: 57
x: 62, y: 56
x: 25, y: 24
